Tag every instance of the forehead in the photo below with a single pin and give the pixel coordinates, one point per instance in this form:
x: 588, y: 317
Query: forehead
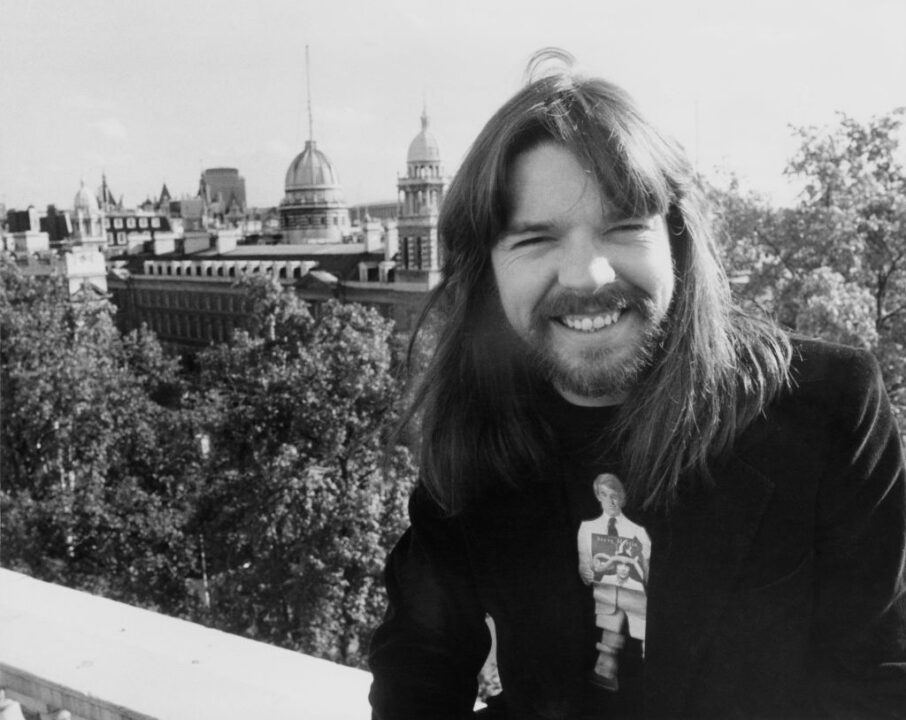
x: 548, y: 181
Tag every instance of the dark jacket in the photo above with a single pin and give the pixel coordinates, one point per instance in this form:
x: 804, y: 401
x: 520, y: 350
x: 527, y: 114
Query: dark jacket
x: 778, y: 593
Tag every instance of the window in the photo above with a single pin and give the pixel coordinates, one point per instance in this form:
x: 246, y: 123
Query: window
x: 130, y: 223
x: 143, y: 222
x: 118, y: 223
x: 155, y: 222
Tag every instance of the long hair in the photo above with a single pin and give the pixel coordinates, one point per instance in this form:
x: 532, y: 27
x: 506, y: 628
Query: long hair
x: 715, y: 369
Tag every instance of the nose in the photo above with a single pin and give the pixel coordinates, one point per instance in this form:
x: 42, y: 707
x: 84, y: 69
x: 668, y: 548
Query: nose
x: 584, y: 265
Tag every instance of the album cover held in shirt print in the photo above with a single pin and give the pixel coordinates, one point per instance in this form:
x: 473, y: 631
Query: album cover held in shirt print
x: 608, y: 551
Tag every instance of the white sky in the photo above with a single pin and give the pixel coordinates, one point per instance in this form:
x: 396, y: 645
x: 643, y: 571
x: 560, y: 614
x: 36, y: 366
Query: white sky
x: 152, y: 92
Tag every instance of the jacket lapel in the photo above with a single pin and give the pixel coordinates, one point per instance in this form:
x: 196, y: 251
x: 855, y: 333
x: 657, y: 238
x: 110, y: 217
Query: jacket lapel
x: 698, y: 551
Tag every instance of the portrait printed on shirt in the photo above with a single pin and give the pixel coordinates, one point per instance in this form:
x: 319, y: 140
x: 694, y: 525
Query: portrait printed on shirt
x: 614, y: 553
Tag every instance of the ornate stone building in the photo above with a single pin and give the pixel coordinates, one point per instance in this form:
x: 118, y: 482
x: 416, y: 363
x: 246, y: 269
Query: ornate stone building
x: 85, y: 267
x: 189, y: 296
x: 421, y: 192
x: 313, y: 210
x: 88, y: 223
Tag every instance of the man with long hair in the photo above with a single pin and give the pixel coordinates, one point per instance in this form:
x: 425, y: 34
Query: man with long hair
x: 588, y: 328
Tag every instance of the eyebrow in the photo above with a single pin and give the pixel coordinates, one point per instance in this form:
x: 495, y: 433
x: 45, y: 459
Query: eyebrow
x: 521, y: 228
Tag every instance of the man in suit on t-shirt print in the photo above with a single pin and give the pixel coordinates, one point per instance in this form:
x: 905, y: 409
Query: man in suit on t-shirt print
x: 613, y: 558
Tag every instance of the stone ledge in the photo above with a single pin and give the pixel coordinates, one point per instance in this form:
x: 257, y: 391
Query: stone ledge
x: 104, y: 660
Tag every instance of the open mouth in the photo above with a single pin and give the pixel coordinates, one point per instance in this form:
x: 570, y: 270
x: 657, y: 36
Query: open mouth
x: 591, y: 323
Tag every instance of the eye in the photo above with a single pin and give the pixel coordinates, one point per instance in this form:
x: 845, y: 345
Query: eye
x: 530, y: 241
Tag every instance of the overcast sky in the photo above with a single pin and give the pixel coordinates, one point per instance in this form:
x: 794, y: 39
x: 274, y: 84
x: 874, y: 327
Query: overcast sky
x: 153, y: 92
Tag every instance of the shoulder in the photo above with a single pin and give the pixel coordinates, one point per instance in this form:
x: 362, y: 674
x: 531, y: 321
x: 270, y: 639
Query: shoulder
x: 836, y: 405
x: 590, y: 524
x: 838, y: 384
x: 820, y: 363
x: 836, y: 394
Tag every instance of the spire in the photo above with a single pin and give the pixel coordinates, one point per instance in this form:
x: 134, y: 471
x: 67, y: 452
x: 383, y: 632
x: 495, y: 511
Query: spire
x: 424, y: 111
x: 311, y: 130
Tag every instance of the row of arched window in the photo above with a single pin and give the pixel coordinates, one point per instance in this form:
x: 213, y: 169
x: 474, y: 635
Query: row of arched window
x: 424, y: 171
x: 284, y: 270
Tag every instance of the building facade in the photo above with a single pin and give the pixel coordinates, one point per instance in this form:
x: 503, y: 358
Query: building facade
x: 189, y: 295
x: 421, y: 192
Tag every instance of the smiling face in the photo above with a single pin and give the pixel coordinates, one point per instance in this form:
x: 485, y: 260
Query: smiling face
x: 586, y: 289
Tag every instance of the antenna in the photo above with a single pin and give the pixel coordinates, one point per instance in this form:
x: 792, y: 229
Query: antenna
x: 311, y: 129
x: 424, y: 108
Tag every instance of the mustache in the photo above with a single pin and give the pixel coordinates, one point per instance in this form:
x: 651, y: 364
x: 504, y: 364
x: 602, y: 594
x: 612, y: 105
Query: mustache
x: 608, y: 299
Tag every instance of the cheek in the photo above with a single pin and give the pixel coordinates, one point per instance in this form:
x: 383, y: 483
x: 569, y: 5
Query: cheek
x: 516, y: 288
x: 660, y: 278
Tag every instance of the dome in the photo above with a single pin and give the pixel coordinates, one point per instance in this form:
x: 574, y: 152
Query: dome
x: 85, y: 201
x: 310, y: 168
x: 424, y: 149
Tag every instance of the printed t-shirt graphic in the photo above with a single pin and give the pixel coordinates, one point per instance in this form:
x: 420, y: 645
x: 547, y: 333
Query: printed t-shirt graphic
x: 613, y: 559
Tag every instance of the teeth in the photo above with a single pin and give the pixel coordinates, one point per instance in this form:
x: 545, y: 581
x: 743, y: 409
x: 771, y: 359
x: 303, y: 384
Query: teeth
x: 590, y: 323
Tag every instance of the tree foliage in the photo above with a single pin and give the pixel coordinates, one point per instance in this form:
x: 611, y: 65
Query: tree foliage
x: 834, y: 265
x: 252, y: 495
x: 93, y: 469
x: 298, y: 514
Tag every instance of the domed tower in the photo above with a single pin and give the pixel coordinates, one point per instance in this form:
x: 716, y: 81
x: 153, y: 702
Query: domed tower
x: 85, y: 269
x: 88, y: 220
x: 313, y: 209
x: 421, y: 193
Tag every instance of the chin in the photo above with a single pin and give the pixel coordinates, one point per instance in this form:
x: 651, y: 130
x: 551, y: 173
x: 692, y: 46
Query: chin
x: 600, y: 378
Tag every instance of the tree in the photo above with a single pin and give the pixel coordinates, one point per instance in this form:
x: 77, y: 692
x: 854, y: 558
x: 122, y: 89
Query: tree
x: 835, y: 264
x: 298, y: 514
x: 93, y: 469
x: 855, y: 191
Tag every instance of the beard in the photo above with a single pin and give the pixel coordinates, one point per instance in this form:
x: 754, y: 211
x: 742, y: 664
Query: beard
x: 603, y: 370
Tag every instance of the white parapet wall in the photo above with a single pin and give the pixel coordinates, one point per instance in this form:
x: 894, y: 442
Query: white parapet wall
x: 61, y: 649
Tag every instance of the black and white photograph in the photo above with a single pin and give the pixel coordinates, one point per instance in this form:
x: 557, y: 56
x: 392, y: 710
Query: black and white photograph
x: 486, y: 360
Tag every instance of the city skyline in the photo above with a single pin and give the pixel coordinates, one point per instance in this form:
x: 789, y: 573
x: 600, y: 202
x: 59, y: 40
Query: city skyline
x: 155, y: 94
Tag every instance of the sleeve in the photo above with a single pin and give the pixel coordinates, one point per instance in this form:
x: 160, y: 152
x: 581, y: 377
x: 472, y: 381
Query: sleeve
x: 859, y: 639
x: 583, y: 540
x: 426, y: 655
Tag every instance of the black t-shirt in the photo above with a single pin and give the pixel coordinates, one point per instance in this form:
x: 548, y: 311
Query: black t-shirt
x: 586, y: 450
